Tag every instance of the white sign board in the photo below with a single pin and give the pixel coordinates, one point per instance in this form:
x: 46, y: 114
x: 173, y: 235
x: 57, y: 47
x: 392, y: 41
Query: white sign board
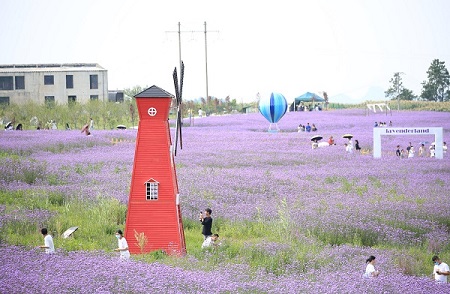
x: 437, y: 132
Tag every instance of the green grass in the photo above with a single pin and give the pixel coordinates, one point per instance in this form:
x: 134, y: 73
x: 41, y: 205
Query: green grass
x: 274, y: 245
x: 97, y: 220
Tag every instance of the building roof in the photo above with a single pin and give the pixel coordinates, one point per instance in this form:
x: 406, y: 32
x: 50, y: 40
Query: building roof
x: 53, y: 67
x: 154, y: 92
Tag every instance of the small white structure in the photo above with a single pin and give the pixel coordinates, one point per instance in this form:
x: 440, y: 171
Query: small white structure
x: 437, y: 132
x: 383, y: 107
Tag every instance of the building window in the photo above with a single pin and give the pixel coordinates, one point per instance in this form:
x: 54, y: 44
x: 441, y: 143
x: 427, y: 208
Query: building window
x: 151, y: 190
x: 69, y: 81
x: 4, y: 101
x: 71, y: 99
x: 94, y: 97
x: 6, y: 83
x: 49, y: 80
x: 49, y: 101
x: 20, y: 82
x: 94, y: 81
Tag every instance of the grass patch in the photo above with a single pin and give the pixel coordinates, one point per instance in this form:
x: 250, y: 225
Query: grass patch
x: 97, y: 220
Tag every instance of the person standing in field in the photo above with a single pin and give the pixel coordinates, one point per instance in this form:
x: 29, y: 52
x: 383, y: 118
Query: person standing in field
x: 206, y: 222
x: 331, y: 141
x: 350, y: 144
x: 432, y: 150
x: 422, y: 150
x: 370, y: 268
x: 357, y: 147
x: 440, y: 270
x: 122, y: 246
x: 48, y: 242
x: 411, y: 152
x: 308, y: 128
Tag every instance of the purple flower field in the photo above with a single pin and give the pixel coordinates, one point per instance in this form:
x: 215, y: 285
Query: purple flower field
x: 345, y: 206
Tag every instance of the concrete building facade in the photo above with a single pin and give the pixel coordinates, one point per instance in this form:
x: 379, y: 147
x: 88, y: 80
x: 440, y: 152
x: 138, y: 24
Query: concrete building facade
x: 53, y: 83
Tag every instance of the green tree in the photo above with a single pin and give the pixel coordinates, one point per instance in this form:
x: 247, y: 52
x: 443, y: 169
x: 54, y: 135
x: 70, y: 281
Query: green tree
x: 131, y: 92
x: 325, y: 96
x: 437, y: 86
x: 407, y: 94
x: 395, y: 89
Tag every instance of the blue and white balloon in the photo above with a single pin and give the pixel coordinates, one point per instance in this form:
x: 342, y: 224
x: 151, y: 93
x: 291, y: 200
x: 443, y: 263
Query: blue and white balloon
x: 274, y: 107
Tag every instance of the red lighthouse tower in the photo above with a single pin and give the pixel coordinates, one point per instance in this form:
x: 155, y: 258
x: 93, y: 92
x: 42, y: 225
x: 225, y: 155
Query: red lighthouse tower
x: 153, y: 207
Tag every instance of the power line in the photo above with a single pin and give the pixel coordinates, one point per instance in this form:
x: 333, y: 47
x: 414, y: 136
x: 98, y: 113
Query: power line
x: 205, y: 31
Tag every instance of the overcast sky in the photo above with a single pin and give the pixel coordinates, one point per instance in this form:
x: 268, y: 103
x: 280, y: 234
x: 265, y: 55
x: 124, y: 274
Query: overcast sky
x: 348, y: 48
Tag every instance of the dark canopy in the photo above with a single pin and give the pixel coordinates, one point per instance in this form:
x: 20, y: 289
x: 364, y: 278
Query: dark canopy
x: 309, y: 97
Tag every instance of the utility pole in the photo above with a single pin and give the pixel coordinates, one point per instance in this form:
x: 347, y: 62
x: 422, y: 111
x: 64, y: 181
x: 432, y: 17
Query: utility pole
x: 206, y: 63
x: 179, y: 43
x: 179, y: 40
x: 205, y: 31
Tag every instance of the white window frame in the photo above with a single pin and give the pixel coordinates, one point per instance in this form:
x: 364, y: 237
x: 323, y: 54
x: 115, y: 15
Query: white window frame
x: 151, y: 190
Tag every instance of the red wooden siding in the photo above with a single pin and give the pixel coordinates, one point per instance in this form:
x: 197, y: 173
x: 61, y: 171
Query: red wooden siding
x: 160, y: 220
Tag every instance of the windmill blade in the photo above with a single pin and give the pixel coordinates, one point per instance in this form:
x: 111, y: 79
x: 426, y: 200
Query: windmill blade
x: 180, y: 124
x: 175, y: 81
x: 181, y: 82
x: 177, y: 132
x: 178, y: 94
x: 180, y: 103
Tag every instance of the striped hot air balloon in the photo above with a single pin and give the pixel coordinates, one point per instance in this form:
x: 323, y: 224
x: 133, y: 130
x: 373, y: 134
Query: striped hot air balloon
x: 273, y: 108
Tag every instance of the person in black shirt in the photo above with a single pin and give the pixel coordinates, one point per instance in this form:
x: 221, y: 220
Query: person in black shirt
x: 357, y: 147
x: 206, y: 222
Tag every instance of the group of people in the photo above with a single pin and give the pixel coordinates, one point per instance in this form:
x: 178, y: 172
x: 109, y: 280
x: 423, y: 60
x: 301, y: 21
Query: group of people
x: 51, y: 125
x: 409, y: 152
x: 122, y: 246
x: 382, y: 124
x: 209, y: 239
x: 440, y: 269
x: 307, y: 128
x: 10, y: 127
x: 303, y: 107
x: 348, y: 146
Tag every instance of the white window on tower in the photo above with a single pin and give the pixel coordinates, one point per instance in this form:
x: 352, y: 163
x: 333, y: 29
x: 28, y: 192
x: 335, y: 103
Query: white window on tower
x: 151, y: 187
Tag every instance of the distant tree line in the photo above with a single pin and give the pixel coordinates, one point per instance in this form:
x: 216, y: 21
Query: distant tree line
x: 210, y: 105
x: 436, y: 88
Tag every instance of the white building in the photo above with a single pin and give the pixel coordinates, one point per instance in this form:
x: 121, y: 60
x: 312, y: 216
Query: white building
x: 53, y: 83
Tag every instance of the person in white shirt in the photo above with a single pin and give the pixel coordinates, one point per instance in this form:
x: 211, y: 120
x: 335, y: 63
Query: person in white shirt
x: 122, y: 246
x: 411, y: 152
x: 440, y: 270
x: 210, y: 241
x: 48, y: 242
x: 370, y: 268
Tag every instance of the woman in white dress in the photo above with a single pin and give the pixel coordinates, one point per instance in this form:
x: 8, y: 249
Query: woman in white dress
x: 370, y: 268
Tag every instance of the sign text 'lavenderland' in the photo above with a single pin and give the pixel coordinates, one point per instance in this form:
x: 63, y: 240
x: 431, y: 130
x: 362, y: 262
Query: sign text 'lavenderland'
x: 436, y: 131
x: 407, y: 131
